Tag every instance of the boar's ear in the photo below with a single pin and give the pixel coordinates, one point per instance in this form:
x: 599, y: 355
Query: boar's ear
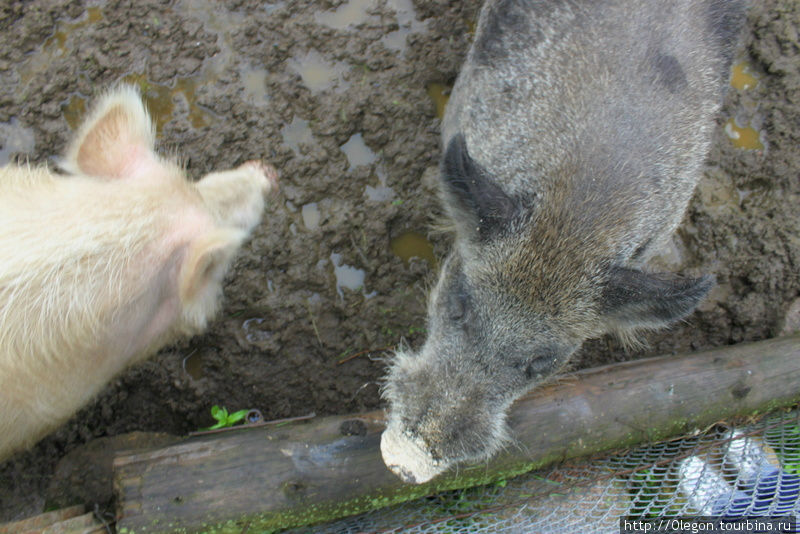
x: 473, y: 198
x: 205, y: 264
x: 116, y: 137
x: 634, y: 299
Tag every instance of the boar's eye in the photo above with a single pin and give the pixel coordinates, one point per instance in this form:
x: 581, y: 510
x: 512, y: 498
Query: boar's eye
x: 537, y: 368
x: 540, y: 365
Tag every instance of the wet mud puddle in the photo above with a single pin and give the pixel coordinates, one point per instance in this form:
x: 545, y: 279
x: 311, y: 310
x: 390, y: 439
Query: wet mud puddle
x: 742, y: 130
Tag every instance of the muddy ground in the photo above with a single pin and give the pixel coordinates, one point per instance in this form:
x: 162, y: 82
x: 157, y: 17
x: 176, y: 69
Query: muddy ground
x: 342, y: 98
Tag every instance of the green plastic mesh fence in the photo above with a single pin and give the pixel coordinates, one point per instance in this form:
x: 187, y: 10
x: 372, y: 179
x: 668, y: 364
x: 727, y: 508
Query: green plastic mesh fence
x: 749, y: 469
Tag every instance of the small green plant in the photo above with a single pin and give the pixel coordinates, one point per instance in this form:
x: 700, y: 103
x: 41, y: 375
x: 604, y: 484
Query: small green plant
x: 225, y: 419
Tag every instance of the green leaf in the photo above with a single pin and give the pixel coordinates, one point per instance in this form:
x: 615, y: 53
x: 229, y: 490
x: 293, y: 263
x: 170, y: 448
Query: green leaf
x: 220, y: 414
x: 236, y: 417
x: 224, y: 419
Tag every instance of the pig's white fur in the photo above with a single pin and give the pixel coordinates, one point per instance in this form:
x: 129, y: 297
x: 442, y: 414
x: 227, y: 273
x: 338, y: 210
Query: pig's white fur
x: 100, y: 269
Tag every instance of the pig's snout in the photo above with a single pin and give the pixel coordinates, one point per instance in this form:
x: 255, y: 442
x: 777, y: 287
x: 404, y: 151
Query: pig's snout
x: 266, y: 171
x: 236, y: 197
x: 407, y: 459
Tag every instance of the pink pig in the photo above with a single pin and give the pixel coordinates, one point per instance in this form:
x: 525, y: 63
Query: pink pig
x: 100, y: 269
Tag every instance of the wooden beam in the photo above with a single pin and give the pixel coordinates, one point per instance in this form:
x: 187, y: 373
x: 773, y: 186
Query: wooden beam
x: 263, y: 478
x: 70, y: 520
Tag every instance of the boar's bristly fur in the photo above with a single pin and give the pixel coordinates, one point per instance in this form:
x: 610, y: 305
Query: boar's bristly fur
x: 573, y: 139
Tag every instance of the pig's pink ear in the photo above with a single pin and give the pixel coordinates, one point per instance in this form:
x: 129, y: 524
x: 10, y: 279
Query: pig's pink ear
x: 202, y: 272
x: 115, y: 139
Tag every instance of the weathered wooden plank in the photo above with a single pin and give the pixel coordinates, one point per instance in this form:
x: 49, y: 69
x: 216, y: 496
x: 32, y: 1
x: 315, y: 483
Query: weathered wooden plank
x: 85, y: 524
x: 330, y: 467
x: 70, y: 520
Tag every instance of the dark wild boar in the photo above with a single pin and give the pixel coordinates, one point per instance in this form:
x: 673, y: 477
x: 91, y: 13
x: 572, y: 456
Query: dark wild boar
x: 573, y: 141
